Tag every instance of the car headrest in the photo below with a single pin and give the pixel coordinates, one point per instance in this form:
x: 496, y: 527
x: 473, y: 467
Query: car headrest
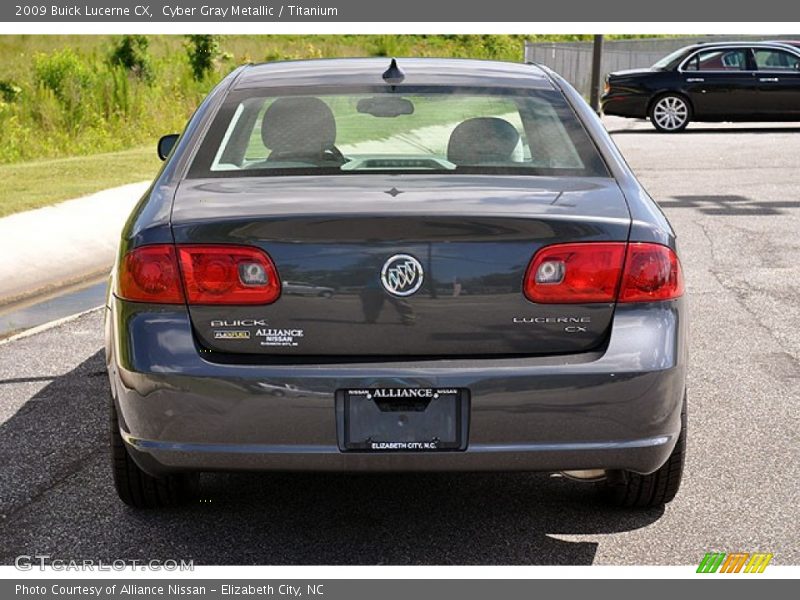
x: 298, y: 126
x: 482, y: 140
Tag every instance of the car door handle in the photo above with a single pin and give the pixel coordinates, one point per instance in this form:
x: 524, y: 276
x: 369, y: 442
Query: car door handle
x: 768, y: 79
x: 694, y: 79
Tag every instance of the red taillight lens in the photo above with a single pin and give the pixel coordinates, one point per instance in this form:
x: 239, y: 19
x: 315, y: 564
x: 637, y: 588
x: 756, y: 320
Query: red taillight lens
x: 575, y: 273
x: 228, y: 275
x: 593, y: 272
x: 211, y: 275
x: 150, y: 274
x: 652, y: 273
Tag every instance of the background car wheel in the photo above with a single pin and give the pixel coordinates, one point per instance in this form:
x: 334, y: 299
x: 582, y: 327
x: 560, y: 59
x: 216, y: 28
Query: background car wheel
x: 140, y: 490
x: 670, y: 113
x: 631, y: 490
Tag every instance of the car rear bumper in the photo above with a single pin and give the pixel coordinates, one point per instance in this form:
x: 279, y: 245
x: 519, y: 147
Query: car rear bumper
x: 623, y: 104
x: 644, y: 455
x: 618, y: 408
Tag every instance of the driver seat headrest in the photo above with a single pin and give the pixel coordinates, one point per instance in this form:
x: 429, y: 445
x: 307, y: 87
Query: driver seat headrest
x: 297, y: 128
x: 482, y: 140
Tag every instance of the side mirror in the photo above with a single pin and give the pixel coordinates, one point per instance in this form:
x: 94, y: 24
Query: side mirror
x: 166, y: 144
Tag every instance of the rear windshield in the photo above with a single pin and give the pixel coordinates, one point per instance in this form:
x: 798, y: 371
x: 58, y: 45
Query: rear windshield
x: 441, y: 129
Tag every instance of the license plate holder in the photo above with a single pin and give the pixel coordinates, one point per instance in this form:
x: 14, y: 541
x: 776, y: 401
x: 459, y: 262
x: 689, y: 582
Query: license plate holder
x: 402, y: 419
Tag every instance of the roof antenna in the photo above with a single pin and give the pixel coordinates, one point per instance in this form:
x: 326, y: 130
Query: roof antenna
x: 393, y: 75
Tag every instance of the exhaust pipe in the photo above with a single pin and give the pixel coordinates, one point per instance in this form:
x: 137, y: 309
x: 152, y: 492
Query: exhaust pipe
x: 587, y: 475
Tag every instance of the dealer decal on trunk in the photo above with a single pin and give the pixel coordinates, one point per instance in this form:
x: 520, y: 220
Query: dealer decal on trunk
x: 279, y: 337
x: 266, y: 335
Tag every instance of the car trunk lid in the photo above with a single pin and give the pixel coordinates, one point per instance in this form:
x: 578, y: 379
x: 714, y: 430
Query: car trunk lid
x: 331, y: 238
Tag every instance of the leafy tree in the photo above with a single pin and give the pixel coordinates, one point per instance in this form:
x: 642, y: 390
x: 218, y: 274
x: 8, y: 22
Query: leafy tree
x: 9, y: 91
x: 131, y: 53
x: 203, y: 50
x: 66, y: 77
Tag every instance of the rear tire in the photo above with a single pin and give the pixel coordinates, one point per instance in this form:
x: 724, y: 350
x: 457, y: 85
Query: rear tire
x: 141, y: 490
x: 631, y: 490
x: 670, y: 113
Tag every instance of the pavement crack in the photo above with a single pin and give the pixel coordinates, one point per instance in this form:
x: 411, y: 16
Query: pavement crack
x: 708, y: 237
x: 71, y: 469
x: 740, y: 291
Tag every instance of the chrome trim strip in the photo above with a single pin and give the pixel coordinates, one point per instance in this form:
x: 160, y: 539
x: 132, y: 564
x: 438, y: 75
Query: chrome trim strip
x: 148, y: 445
x: 572, y: 446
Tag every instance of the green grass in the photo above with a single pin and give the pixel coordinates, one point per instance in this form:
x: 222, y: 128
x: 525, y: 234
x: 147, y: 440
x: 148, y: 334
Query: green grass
x: 40, y: 183
x: 60, y: 96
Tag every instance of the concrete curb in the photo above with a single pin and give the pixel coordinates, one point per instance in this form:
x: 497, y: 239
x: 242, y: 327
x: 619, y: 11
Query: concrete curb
x: 49, y: 325
x: 64, y: 244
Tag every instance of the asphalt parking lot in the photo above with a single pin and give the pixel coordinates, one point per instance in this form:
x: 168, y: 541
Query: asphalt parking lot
x: 733, y: 194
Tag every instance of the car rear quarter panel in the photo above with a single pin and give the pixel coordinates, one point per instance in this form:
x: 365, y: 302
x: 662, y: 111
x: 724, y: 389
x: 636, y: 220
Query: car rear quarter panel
x: 632, y: 95
x: 648, y: 222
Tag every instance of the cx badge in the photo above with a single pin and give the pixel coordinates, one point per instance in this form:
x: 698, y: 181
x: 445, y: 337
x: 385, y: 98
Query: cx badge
x: 402, y: 275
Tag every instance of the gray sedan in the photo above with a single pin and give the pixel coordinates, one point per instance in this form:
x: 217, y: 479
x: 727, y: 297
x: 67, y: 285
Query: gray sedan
x: 493, y: 289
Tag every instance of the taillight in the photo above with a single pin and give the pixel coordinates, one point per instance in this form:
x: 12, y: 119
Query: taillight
x: 212, y: 274
x: 592, y: 272
x: 575, y: 273
x: 150, y: 274
x: 215, y: 274
x: 652, y: 273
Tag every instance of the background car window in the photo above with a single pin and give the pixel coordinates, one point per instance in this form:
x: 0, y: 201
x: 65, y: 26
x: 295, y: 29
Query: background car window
x: 670, y: 58
x: 734, y: 59
x: 776, y: 60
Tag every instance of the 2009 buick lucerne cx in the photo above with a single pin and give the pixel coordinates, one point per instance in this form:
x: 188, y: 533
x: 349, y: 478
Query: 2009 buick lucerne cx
x: 375, y: 265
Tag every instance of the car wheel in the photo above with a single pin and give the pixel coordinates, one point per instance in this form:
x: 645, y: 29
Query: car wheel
x: 631, y: 490
x: 670, y: 113
x: 141, y: 490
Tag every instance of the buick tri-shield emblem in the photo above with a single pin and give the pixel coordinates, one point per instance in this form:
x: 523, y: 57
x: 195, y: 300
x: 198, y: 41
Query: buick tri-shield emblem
x: 402, y: 275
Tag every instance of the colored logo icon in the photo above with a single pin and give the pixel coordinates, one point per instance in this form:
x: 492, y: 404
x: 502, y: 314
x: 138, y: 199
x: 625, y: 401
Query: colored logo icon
x: 734, y: 562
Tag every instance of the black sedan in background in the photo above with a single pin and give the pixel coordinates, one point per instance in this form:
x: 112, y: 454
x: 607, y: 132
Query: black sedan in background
x: 738, y: 81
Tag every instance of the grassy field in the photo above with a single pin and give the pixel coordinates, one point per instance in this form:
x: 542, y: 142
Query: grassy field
x: 65, y: 95
x: 68, y: 96
x: 42, y: 182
